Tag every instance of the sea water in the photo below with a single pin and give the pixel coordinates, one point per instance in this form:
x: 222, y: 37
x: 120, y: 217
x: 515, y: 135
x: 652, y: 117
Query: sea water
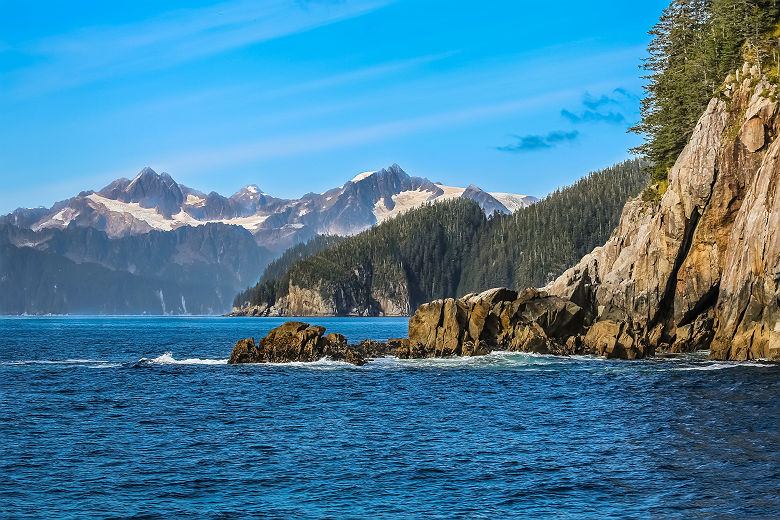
x: 118, y: 417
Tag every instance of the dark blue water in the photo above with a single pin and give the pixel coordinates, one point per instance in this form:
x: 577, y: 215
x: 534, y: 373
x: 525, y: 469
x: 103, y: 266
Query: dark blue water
x: 142, y: 418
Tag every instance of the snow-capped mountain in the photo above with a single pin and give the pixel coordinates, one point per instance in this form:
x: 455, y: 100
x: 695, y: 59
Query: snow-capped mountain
x: 152, y: 201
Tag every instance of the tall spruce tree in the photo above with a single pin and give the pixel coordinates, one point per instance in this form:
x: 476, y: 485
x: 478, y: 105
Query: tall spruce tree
x: 694, y: 46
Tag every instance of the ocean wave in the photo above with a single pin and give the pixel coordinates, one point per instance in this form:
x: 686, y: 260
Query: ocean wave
x: 321, y: 364
x: 728, y: 364
x: 497, y: 358
x: 168, y: 359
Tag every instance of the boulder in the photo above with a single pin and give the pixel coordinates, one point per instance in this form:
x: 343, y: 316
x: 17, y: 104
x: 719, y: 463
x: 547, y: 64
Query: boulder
x: 753, y: 134
x: 243, y: 352
x: 297, y: 341
x: 612, y: 340
x: 532, y: 321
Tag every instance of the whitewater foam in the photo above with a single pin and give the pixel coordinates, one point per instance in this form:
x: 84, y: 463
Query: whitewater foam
x: 52, y: 362
x: 725, y: 365
x: 168, y: 359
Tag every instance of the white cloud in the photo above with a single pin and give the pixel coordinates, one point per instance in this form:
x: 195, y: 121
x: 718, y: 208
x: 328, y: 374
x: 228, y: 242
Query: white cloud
x: 173, y: 38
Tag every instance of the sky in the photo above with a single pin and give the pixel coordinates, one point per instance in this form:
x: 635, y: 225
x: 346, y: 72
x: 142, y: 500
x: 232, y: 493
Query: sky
x: 299, y: 96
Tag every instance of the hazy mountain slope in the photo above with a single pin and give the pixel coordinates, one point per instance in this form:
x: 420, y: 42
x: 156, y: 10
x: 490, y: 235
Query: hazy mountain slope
x: 82, y: 270
x: 160, y: 232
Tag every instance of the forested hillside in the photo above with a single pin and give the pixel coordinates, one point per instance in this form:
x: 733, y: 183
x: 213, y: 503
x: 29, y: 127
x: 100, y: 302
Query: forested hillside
x: 296, y: 253
x: 695, y: 45
x: 450, y: 248
x: 534, y: 245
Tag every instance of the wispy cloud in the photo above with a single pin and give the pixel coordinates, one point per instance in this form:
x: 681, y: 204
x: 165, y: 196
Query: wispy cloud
x: 603, y: 109
x: 251, y: 92
x: 591, y: 116
x: 531, y: 142
x: 206, y: 159
x: 173, y: 38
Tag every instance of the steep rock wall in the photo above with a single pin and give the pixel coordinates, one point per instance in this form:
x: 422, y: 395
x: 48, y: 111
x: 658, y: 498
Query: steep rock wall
x: 701, y: 267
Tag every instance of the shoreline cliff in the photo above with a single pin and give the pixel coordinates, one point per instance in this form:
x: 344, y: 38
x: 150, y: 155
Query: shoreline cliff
x: 692, y: 265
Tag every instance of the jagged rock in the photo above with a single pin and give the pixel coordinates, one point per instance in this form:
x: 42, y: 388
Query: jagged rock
x: 244, y: 352
x: 297, y: 341
x: 747, y: 304
x: 496, y: 295
x: 613, y: 340
x: 499, y: 318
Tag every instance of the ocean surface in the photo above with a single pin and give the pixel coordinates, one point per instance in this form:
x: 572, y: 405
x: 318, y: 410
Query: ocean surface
x: 137, y: 417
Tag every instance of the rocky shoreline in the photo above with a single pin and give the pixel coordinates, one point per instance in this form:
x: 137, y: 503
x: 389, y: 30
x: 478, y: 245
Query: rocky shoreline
x: 475, y: 325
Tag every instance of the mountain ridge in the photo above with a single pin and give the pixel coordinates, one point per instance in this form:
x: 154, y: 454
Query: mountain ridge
x: 155, y: 201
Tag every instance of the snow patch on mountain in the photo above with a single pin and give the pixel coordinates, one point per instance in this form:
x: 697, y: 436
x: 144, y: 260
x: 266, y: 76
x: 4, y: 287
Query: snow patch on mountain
x: 404, y: 201
x: 156, y: 202
x: 513, y: 202
x: 407, y: 200
x: 195, y: 201
x: 150, y: 216
x: 360, y: 176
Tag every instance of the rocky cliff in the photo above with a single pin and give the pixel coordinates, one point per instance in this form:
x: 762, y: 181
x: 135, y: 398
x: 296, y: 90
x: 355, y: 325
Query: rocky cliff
x: 356, y: 297
x: 699, y: 266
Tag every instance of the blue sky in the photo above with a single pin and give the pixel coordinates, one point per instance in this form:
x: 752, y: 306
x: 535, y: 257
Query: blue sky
x: 299, y: 96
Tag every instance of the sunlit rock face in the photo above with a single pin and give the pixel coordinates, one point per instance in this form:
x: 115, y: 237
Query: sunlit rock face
x: 701, y: 267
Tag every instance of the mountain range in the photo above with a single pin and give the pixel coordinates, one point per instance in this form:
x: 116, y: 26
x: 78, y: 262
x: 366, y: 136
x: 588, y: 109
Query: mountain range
x: 152, y: 245
x: 152, y: 201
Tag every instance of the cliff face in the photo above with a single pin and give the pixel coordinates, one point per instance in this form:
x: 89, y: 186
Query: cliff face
x: 355, y: 299
x: 700, y: 268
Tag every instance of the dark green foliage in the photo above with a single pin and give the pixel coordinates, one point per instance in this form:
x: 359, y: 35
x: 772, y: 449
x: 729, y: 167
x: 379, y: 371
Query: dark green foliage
x: 695, y: 44
x: 316, y: 244
x: 450, y: 248
x: 422, y: 249
x: 536, y: 244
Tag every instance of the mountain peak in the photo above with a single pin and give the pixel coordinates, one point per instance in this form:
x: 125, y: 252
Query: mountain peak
x: 248, y: 192
x: 153, y: 190
x: 146, y: 171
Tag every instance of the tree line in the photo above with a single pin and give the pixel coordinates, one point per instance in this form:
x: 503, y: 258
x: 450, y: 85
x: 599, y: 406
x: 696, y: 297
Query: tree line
x: 694, y: 46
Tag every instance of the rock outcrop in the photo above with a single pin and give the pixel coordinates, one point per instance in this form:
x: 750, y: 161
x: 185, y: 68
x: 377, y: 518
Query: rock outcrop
x: 297, y: 341
x: 356, y: 298
x: 497, y: 319
x: 692, y: 265
x: 699, y: 268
